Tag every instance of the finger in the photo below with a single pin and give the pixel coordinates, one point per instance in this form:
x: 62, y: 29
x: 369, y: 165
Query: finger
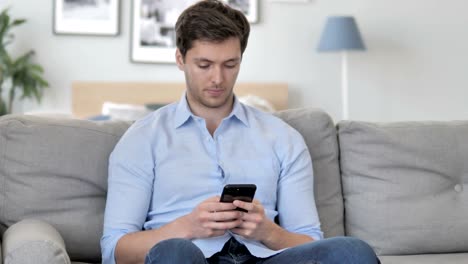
x: 225, y: 206
x: 255, y: 201
x: 247, y: 225
x: 241, y: 232
x: 215, y: 233
x: 226, y: 215
x: 212, y: 199
x: 244, y: 205
x: 218, y: 206
x: 237, y: 231
x: 223, y: 225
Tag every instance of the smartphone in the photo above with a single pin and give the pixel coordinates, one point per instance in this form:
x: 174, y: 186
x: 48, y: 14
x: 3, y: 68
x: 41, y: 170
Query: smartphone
x: 242, y: 192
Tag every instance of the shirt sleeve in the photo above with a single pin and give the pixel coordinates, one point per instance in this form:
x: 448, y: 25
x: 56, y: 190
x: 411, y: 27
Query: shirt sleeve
x: 129, y: 190
x: 297, y: 211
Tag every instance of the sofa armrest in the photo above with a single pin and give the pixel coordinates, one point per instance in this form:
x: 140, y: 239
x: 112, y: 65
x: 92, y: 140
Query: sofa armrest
x: 33, y: 241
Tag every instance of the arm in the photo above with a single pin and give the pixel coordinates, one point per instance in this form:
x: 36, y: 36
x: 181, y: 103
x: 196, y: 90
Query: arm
x: 129, y: 191
x: 297, y: 212
x: 132, y: 167
x: 133, y: 247
x: 209, y: 219
x: 258, y: 227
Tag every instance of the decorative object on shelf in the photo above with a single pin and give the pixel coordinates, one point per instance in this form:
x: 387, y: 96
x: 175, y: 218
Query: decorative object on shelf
x: 86, y: 17
x: 18, y: 75
x: 153, y: 27
x: 341, y: 34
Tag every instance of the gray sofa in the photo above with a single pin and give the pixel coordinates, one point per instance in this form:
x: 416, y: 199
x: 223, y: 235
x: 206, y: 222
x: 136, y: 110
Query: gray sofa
x: 402, y: 187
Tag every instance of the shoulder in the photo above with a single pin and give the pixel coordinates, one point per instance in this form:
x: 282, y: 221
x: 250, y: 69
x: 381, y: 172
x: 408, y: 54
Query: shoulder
x: 286, y: 141
x: 270, y: 122
x: 149, y: 124
x: 144, y: 131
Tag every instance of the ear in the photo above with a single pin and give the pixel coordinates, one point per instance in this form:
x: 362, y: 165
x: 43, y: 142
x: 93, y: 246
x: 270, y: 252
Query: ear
x: 179, y: 60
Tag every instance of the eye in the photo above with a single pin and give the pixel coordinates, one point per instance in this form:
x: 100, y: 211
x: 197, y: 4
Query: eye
x: 231, y: 66
x: 203, y: 66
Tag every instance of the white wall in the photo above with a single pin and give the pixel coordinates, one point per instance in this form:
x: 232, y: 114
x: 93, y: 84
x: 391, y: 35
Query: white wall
x: 414, y: 69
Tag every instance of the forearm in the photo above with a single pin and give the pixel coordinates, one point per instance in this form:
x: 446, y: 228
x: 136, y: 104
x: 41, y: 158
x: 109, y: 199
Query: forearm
x: 279, y: 238
x: 210, y: 218
x: 132, y: 248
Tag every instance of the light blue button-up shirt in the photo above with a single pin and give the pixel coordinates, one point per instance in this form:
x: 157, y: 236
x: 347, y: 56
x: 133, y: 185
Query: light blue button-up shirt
x: 167, y: 163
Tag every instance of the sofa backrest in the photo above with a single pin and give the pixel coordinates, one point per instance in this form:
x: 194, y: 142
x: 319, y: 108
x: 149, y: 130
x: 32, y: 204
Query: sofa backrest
x: 405, y: 185
x: 56, y: 170
x: 319, y: 133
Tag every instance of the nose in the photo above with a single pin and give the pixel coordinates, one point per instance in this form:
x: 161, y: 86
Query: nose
x: 217, y: 75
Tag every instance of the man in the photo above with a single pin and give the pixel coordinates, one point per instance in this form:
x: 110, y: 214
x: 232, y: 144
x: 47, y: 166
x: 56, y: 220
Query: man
x: 167, y: 171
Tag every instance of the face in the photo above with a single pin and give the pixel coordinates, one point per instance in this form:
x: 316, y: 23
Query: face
x: 211, y: 70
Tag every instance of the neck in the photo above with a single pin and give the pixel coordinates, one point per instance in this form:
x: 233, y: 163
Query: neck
x: 212, y: 115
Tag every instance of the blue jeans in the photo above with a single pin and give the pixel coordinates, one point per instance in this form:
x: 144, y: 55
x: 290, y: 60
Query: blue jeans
x: 342, y: 250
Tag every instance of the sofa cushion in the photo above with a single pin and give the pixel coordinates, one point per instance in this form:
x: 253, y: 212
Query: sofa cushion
x: 319, y: 133
x: 405, y: 185
x: 56, y: 170
x: 37, y: 252
x: 33, y: 241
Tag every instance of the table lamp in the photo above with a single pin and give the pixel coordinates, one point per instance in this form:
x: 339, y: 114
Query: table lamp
x: 341, y: 34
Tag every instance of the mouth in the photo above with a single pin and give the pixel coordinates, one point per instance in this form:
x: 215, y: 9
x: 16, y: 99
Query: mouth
x: 215, y: 92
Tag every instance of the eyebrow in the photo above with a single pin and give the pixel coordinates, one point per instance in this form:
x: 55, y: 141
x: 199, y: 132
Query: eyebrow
x: 198, y: 60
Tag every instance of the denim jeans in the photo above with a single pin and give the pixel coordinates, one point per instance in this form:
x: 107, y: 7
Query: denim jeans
x: 336, y: 250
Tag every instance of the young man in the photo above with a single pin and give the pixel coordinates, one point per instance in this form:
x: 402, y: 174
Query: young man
x: 168, y: 170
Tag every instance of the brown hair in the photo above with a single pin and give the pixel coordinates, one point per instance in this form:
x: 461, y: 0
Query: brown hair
x: 210, y: 20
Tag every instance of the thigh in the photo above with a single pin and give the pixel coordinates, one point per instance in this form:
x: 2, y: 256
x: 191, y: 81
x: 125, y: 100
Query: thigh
x: 175, y: 250
x: 327, y: 251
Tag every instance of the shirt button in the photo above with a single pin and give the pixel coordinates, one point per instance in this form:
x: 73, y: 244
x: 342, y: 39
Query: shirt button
x: 458, y: 188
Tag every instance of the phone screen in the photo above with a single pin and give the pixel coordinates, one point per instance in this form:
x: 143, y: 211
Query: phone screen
x: 242, y: 192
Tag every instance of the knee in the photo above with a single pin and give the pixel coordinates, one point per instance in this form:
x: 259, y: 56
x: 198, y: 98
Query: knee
x: 352, y: 249
x: 169, y: 245
x: 175, y: 250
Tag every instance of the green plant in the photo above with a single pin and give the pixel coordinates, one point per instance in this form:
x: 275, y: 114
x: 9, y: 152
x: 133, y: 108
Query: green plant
x: 20, y: 74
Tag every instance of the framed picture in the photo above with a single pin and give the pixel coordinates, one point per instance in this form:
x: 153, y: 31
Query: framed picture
x: 248, y: 7
x: 86, y: 17
x: 153, y: 27
x: 290, y: 1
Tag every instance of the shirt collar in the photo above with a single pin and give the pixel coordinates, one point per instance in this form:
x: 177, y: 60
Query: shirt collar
x: 238, y: 110
x: 183, y: 112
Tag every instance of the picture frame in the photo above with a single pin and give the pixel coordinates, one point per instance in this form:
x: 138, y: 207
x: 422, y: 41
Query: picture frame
x: 248, y: 7
x: 290, y: 1
x: 153, y: 27
x: 86, y: 17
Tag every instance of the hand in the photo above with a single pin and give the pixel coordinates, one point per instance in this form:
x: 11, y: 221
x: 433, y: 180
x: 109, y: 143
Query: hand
x: 212, y: 218
x: 255, y: 225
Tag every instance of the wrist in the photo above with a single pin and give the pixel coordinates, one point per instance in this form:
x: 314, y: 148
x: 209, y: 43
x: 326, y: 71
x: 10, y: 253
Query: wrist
x: 181, y: 226
x: 273, y: 233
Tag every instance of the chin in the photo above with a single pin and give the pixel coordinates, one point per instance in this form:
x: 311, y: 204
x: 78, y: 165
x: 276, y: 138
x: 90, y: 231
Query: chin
x: 219, y: 102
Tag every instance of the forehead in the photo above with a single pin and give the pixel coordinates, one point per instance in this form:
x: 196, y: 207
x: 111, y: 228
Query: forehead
x: 215, y: 51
